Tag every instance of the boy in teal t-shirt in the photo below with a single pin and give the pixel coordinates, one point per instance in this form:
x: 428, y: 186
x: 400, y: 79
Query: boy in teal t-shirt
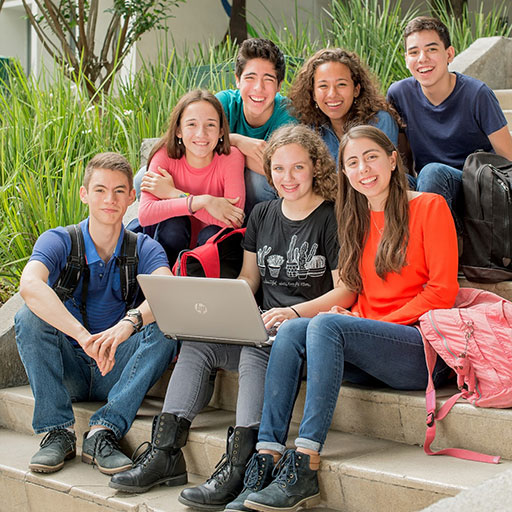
x: 255, y: 109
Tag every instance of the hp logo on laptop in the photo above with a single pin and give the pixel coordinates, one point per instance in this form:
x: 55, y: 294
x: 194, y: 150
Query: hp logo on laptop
x: 201, y: 308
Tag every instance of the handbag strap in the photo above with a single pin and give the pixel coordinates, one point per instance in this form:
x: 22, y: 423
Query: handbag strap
x: 432, y: 417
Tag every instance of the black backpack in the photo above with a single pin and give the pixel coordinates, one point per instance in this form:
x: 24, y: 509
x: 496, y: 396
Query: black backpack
x: 487, y: 243
x: 76, y: 267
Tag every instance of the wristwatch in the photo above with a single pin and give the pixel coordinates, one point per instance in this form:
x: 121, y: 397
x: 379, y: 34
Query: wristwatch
x: 134, y: 316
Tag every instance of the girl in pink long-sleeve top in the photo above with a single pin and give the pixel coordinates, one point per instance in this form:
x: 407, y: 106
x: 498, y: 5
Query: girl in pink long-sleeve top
x: 194, y: 185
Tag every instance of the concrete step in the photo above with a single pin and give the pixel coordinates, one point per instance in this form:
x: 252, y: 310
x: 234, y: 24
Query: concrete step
x: 504, y: 97
x: 400, y: 416
x: 358, y: 474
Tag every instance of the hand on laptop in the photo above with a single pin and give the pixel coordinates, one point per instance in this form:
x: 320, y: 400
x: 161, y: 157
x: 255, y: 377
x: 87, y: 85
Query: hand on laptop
x: 277, y: 316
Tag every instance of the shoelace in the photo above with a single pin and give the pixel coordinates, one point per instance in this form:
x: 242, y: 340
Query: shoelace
x: 285, y: 471
x: 251, y: 472
x: 105, y: 443
x: 143, y: 457
x: 221, y: 472
x: 57, y: 435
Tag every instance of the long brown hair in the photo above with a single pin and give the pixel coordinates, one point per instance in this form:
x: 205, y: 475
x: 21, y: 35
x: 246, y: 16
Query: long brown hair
x: 353, y: 214
x: 324, y: 174
x: 364, y: 108
x: 171, y: 141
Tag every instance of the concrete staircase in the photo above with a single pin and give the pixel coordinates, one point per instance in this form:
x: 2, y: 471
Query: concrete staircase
x: 371, y: 461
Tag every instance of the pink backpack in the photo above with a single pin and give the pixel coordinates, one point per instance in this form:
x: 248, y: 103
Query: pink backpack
x: 475, y: 339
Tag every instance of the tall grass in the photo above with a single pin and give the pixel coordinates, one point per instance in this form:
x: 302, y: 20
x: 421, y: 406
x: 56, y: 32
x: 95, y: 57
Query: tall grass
x: 49, y: 130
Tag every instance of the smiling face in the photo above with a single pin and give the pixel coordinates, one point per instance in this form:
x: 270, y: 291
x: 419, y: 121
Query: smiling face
x: 427, y: 58
x: 108, y: 196
x: 368, y: 169
x: 334, y: 91
x: 258, y: 88
x: 292, y: 173
x: 200, y: 131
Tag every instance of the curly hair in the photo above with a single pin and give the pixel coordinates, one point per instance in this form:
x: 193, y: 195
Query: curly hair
x: 324, y: 175
x: 170, y: 140
x: 362, y: 111
x: 353, y: 215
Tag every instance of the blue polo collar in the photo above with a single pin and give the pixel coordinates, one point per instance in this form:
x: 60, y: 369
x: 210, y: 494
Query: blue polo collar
x: 91, y: 254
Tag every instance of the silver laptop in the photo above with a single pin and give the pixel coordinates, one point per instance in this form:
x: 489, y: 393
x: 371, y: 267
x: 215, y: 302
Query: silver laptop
x: 205, y: 309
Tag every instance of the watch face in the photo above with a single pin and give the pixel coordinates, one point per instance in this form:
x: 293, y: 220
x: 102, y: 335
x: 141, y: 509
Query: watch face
x: 135, y: 313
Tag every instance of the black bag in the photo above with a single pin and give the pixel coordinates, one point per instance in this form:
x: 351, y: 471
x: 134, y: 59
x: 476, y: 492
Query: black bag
x: 487, y: 243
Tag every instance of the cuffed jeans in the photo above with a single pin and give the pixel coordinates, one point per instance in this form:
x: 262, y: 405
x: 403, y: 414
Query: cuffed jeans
x: 189, y: 388
x: 447, y: 182
x: 61, y: 373
x: 369, y: 350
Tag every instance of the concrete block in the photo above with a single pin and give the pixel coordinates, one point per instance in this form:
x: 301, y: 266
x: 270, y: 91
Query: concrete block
x: 489, y: 59
x: 12, y: 372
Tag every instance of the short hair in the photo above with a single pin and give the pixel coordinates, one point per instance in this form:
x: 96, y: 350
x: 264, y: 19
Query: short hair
x: 111, y: 161
x: 171, y: 141
x: 426, y: 23
x: 256, y: 48
x: 324, y: 175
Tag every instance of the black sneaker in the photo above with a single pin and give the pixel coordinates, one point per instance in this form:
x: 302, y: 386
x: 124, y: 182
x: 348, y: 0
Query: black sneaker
x: 102, y: 449
x: 56, y: 447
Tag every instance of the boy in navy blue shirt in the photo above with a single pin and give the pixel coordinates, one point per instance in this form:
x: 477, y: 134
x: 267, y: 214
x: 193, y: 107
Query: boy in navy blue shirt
x: 447, y: 115
x: 120, y: 354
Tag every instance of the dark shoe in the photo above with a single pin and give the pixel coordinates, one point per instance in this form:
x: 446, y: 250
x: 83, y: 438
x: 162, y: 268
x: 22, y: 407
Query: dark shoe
x: 295, y: 484
x: 102, y: 449
x: 227, y: 481
x: 257, y: 476
x: 162, y: 462
x: 56, y: 447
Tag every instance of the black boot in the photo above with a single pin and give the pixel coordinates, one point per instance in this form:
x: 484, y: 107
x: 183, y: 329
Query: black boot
x: 228, y: 479
x: 162, y: 462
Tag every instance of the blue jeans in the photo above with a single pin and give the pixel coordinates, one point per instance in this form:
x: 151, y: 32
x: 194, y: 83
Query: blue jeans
x: 174, y: 234
x: 447, y: 182
x: 257, y: 189
x: 369, y: 349
x: 61, y: 373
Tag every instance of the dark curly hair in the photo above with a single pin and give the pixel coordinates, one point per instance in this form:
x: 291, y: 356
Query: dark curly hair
x: 324, y: 176
x: 362, y: 111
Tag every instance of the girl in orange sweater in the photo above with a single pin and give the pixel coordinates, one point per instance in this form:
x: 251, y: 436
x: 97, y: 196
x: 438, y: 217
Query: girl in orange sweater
x: 398, y: 259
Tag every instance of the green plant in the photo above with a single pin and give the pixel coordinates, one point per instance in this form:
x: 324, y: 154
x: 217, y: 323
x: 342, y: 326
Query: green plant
x: 373, y: 29
x: 471, y: 26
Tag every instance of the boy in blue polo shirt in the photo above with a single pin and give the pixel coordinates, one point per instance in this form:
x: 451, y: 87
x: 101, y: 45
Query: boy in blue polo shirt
x: 255, y: 109
x: 120, y: 354
x: 447, y: 115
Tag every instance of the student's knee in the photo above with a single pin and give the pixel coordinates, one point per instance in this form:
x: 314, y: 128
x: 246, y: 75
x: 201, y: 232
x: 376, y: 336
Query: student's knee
x: 436, y: 177
x: 27, y: 324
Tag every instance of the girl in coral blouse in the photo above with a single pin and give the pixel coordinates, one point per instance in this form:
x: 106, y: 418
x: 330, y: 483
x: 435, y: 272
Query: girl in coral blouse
x: 397, y: 260
x: 194, y: 185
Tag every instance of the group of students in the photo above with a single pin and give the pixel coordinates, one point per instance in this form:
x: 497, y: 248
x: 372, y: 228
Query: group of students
x: 347, y: 249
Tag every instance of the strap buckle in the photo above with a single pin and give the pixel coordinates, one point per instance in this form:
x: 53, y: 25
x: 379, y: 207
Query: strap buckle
x: 430, y: 419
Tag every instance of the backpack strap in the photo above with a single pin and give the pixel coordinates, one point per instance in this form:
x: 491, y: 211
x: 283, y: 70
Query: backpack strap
x: 128, y: 262
x: 75, y: 268
x: 432, y: 417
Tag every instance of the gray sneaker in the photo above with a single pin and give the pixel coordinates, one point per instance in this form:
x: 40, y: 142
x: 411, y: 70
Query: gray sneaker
x: 103, y: 450
x: 56, y: 447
